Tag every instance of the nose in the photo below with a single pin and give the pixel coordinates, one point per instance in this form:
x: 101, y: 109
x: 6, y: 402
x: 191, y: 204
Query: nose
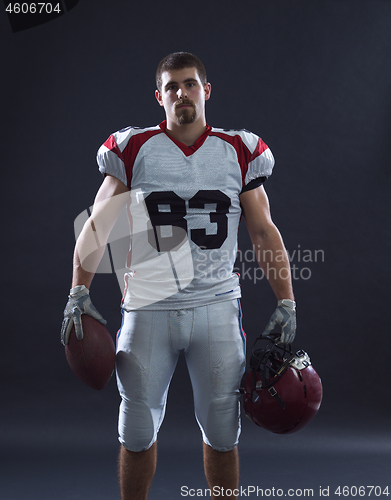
x: 181, y: 93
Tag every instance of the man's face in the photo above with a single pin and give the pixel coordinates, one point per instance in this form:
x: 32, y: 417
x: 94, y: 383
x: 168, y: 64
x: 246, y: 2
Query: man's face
x: 183, y: 96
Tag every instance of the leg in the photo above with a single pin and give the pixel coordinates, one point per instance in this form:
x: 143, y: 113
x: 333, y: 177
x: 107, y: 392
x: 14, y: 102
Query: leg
x: 136, y: 471
x: 145, y: 364
x: 216, y: 362
x: 222, y: 470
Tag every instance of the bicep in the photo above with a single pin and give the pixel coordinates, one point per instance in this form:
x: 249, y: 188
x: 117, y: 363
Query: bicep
x: 111, y: 197
x: 111, y: 186
x: 256, y: 211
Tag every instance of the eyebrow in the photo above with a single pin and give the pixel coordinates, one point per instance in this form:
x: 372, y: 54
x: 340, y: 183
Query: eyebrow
x: 172, y: 82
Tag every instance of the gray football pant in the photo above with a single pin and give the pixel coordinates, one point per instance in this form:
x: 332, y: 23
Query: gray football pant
x: 148, y: 346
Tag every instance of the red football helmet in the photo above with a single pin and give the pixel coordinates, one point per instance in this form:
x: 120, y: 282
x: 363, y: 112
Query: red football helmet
x: 282, y: 392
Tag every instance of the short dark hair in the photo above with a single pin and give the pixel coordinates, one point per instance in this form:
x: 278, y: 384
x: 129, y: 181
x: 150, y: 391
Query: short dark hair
x: 179, y: 60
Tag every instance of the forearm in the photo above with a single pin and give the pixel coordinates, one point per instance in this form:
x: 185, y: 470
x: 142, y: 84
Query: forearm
x: 273, y: 259
x: 79, y: 301
x: 87, y: 256
x: 80, y: 276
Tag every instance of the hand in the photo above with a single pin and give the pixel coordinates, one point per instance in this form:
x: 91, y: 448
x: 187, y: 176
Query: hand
x: 79, y: 303
x: 284, y: 316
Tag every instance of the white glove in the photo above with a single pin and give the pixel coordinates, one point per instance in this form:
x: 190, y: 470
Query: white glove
x: 285, y: 317
x: 79, y: 303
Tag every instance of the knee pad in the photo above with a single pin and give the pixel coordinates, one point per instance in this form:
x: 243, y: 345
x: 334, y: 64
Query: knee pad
x: 138, y: 425
x: 222, y: 428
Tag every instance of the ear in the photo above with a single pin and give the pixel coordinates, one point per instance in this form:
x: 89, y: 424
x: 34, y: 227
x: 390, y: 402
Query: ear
x: 158, y: 96
x: 208, y: 90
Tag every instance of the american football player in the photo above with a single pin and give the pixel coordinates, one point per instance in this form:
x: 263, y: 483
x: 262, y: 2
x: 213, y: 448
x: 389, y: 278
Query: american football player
x: 188, y: 184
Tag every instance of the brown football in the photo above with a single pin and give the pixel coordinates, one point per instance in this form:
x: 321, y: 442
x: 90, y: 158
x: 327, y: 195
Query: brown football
x: 92, y: 359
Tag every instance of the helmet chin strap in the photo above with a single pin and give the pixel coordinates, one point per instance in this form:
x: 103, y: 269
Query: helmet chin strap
x: 262, y: 355
x: 274, y: 393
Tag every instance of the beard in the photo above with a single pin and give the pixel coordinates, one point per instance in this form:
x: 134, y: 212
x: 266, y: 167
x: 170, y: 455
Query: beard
x: 185, y: 115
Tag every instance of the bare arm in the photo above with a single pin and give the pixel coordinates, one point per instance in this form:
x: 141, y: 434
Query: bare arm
x: 267, y: 242
x: 89, y: 249
x: 90, y: 245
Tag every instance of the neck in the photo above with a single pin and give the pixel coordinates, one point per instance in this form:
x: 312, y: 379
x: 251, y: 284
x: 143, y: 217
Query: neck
x: 187, y: 134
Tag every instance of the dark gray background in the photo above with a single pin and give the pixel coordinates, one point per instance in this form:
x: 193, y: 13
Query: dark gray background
x: 313, y: 79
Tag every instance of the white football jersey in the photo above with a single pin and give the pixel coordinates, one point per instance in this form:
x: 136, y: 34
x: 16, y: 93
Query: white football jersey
x: 184, y: 211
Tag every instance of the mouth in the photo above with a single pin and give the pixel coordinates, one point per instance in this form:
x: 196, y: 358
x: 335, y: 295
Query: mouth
x: 184, y: 105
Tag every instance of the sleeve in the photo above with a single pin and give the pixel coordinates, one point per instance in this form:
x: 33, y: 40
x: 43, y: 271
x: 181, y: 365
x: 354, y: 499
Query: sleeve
x: 254, y: 184
x: 111, y: 160
x: 260, y: 161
